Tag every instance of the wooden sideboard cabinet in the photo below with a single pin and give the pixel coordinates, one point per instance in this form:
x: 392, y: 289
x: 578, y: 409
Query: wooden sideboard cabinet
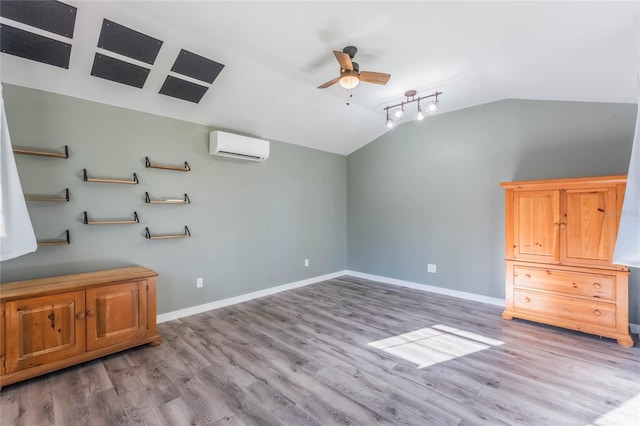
x: 52, y: 323
x: 560, y: 237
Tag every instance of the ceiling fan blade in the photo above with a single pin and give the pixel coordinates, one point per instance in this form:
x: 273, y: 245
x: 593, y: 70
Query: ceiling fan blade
x: 344, y: 60
x: 374, y: 77
x: 329, y: 83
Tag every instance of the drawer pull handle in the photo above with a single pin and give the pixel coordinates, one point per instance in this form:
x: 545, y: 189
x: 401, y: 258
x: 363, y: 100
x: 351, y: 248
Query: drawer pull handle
x: 597, y: 312
x: 90, y: 314
x: 527, y: 276
x: 574, y: 285
x: 80, y: 316
x: 527, y: 299
x: 596, y: 285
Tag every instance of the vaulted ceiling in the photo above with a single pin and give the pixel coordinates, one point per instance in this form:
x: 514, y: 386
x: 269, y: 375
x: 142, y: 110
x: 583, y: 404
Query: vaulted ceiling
x: 275, y: 54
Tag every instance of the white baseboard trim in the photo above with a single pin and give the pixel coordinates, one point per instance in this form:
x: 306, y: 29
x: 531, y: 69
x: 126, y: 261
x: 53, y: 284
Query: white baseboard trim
x: 433, y: 289
x: 181, y: 313
x: 193, y: 310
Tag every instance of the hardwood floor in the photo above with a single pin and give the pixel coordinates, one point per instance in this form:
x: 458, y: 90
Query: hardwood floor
x: 345, y: 351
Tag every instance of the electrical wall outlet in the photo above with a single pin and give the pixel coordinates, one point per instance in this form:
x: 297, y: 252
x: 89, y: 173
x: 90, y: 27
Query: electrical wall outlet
x: 306, y: 263
x: 199, y: 282
x: 431, y: 268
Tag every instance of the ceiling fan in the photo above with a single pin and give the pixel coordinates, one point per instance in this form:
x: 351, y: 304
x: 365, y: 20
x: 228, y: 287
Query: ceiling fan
x: 350, y: 74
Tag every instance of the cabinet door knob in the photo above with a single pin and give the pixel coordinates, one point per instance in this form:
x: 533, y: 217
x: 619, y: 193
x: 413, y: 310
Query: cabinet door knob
x: 597, y: 312
x: 527, y: 276
x: 79, y: 315
x: 90, y: 313
x: 527, y: 299
x: 596, y: 285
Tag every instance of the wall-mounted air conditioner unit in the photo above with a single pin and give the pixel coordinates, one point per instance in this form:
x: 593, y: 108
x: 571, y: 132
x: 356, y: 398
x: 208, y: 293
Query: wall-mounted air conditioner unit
x: 237, y: 146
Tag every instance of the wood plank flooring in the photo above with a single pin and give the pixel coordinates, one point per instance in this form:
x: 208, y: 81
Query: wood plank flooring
x: 309, y: 357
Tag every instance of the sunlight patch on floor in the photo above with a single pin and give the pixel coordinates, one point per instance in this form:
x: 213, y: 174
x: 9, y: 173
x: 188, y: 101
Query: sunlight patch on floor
x: 432, y: 345
x: 627, y: 413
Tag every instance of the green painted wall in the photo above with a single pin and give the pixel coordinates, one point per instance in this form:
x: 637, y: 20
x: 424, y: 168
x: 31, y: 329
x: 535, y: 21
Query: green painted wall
x: 253, y: 224
x: 428, y: 192
x: 423, y: 193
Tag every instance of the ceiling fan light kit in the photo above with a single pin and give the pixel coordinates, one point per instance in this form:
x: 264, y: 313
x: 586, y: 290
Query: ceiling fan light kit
x: 349, y: 80
x: 395, y: 112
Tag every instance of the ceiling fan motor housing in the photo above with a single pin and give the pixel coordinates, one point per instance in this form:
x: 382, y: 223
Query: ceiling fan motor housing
x: 351, y: 51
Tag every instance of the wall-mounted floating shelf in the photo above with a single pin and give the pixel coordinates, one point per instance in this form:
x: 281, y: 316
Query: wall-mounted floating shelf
x: 86, y: 221
x: 148, y: 235
x: 45, y: 243
x: 149, y: 165
x: 49, y: 197
x: 184, y: 200
x: 40, y: 153
x: 86, y: 178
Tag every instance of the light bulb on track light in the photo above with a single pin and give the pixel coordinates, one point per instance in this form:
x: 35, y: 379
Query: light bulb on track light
x: 389, y: 122
x: 432, y: 106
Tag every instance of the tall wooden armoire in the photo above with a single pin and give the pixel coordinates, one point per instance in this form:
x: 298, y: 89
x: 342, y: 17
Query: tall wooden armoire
x: 560, y: 237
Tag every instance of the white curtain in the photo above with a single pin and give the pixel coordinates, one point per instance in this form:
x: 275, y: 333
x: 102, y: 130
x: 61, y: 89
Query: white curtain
x: 627, y: 251
x: 16, y: 232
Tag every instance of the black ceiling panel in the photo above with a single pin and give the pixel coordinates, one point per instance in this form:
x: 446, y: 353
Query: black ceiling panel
x: 183, y: 89
x: 32, y: 46
x: 196, y: 66
x: 119, y: 71
x: 52, y: 16
x: 128, y: 42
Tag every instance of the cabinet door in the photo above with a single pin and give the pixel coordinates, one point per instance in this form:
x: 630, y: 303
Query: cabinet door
x: 116, y: 313
x: 2, y: 336
x: 535, y: 225
x: 44, y: 329
x: 591, y: 225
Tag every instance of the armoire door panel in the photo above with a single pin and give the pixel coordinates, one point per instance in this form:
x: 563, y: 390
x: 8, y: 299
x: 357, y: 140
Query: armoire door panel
x: 536, y: 223
x: 590, y: 232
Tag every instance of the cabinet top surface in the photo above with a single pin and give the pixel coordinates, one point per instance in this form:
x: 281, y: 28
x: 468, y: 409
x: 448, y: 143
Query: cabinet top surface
x: 566, y: 182
x: 72, y: 282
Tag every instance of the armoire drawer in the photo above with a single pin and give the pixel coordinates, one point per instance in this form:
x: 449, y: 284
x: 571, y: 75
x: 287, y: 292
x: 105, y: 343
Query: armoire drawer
x: 558, y: 281
x: 581, y: 311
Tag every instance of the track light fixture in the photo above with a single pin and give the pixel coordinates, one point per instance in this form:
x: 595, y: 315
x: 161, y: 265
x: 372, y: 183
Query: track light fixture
x: 397, y: 110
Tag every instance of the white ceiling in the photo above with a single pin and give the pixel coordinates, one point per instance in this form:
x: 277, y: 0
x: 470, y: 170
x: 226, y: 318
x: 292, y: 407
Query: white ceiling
x: 277, y: 53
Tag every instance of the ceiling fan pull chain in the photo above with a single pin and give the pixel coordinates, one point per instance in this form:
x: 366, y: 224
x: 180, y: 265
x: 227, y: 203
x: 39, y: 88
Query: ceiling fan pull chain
x: 349, y: 97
